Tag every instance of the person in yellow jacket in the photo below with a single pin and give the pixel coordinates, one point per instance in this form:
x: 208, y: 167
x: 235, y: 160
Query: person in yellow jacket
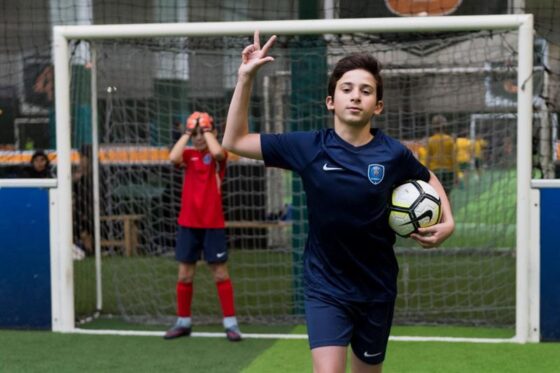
x: 480, y: 145
x: 464, y: 154
x: 418, y: 148
x: 441, y: 155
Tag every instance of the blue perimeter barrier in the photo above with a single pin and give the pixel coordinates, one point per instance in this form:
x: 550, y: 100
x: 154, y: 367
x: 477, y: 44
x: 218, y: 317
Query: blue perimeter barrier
x: 25, y: 283
x: 25, y: 280
x: 550, y: 264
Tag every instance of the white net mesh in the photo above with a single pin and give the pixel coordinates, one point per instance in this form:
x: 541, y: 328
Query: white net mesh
x: 146, y: 88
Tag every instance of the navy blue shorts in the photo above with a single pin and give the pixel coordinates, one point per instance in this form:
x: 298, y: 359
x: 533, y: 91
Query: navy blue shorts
x: 194, y: 242
x: 365, y: 326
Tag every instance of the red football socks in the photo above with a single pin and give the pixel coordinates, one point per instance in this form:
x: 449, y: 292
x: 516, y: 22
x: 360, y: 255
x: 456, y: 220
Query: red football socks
x: 184, y: 299
x: 225, y: 293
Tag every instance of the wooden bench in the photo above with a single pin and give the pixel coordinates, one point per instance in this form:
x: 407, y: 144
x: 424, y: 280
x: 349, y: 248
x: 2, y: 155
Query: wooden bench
x: 276, y: 233
x: 129, y: 241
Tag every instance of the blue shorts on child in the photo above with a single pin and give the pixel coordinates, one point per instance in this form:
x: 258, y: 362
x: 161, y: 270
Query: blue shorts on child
x: 193, y: 244
x: 365, y: 326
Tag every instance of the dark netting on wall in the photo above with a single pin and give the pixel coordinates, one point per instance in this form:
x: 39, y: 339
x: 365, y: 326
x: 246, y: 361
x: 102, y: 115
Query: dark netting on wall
x: 147, y: 87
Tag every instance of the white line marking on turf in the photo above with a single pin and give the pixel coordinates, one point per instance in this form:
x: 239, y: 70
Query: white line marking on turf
x: 290, y: 336
x: 453, y: 339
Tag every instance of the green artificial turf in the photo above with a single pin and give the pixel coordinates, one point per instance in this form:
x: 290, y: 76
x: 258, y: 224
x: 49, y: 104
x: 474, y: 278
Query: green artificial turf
x: 32, y: 351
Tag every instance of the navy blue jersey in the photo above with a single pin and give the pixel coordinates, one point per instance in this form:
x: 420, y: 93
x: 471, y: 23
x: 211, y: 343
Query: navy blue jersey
x: 349, y: 251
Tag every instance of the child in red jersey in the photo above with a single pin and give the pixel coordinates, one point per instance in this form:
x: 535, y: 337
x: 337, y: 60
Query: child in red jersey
x: 201, y: 222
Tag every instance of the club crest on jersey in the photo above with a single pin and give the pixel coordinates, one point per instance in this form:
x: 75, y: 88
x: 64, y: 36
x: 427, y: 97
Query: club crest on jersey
x: 207, y: 159
x: 375, y: 173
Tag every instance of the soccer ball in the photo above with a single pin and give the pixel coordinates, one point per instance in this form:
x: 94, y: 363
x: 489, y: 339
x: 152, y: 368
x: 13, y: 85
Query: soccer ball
x: 414, y: 204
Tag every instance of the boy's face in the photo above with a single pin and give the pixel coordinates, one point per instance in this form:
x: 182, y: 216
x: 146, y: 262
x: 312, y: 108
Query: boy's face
x: 198, y: 140
x: 39, y: 163
x: 355, y: 98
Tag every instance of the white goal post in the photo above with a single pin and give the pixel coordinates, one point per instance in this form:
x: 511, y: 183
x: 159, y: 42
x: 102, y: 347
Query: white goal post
x: 63, y: 318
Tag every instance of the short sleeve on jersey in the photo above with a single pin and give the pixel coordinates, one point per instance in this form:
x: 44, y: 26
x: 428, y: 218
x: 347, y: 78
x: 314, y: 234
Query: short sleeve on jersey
x: 414, y: 170
x: 291, y: 151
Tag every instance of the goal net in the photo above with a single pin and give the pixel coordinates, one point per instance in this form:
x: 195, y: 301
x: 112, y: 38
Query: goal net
x: 145, y: 88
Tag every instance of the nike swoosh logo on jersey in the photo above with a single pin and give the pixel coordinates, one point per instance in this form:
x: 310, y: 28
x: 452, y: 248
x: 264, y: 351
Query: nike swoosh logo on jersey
x: 371, y: 355
x: 219, y: 255
x: 327, y: 168
x: 428, y: 214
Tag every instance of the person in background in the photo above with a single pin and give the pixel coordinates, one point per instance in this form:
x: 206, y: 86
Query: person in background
x: 40, y: 166
x: 201, y: 223
x: 441, y: 153
x: 480, y: 145
x: 176, y: 130
x: 82, y: 193
x: 464, y: 155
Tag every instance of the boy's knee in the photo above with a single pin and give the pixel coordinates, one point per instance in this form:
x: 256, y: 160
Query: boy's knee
x: 185, y: 279
x: 220, y: 272
x: 186, y: 272
x: 219, y: 277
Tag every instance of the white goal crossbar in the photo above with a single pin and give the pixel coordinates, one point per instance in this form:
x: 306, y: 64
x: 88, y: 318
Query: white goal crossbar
x: 61, y: 254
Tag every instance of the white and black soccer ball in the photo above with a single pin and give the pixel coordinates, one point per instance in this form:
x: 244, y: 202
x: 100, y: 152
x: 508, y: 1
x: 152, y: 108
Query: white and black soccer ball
x: 414, y: 204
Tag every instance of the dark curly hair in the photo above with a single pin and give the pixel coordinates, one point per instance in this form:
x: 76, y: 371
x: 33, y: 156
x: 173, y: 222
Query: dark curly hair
x: 356, y: 61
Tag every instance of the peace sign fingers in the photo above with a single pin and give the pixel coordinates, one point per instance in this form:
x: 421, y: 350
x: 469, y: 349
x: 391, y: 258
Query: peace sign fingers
x: 268, y: 45
x: 253, y: 56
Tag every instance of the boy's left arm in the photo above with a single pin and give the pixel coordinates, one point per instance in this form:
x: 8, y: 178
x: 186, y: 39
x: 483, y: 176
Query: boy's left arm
x: 433, y: 236
x: 214, y: 146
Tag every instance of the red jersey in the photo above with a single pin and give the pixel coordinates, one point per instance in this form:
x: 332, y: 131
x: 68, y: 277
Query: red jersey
x: 201, y: 200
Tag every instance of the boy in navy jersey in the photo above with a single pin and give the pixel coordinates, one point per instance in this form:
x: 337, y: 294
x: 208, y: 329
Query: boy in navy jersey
x: 201, y: 222
x: 349, y: 172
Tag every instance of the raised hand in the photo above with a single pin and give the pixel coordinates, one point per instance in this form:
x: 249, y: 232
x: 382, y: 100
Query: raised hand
x: 253, y: 56
x: 206, y: 122
x: 202, y: 120
x: 192, y: 122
